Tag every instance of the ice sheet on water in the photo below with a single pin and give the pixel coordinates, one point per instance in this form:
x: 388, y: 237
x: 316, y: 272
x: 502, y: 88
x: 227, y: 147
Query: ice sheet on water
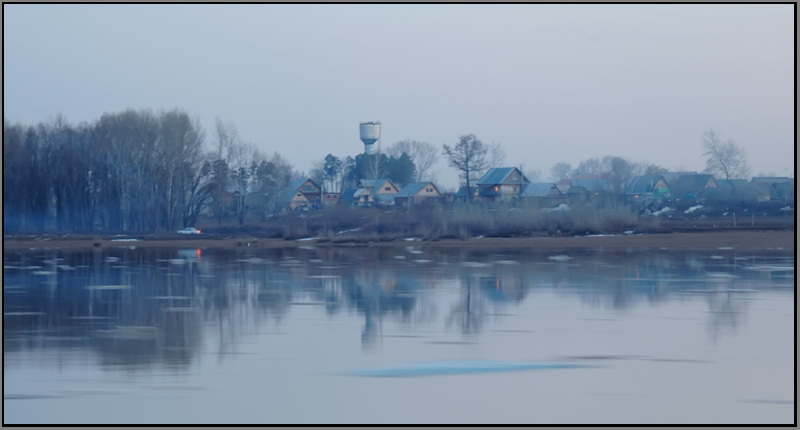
x: 559, y: 258
x: 475, y: 265
x: 435, y: 368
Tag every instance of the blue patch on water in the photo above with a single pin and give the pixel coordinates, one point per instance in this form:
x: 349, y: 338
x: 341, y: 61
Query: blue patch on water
x: 432, y: 368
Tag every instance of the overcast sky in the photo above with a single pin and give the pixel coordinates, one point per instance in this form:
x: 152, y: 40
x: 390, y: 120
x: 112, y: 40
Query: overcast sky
x: 551, y: 83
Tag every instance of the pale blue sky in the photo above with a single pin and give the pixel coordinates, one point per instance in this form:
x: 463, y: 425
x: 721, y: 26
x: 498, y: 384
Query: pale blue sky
x: 550, y: 82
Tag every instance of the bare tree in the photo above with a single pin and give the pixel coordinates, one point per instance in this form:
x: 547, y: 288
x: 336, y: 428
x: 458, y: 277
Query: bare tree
x: 469, y: 156
x: 591, y: 166
x: 622, y: 172
x: 560, y: 171
x: 423, y: 154
x: 648, y: 168
x: 497, y: 155
x: 724, y: 159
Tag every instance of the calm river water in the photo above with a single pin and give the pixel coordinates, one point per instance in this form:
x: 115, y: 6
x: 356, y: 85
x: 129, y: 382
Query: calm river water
x: 397, y: 335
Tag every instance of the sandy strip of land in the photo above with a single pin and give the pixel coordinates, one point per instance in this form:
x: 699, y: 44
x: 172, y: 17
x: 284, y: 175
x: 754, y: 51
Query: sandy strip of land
x: 741, y: 240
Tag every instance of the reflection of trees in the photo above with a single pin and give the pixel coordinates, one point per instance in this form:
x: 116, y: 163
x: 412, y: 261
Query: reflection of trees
x: 469, y: 313
x: 727, y: 308
x: 175, y: 293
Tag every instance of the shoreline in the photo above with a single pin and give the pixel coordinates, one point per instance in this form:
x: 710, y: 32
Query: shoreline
x: 776, y: 240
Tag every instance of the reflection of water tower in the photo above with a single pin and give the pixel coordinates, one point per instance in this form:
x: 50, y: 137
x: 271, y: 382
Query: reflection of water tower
x: 370, y: 133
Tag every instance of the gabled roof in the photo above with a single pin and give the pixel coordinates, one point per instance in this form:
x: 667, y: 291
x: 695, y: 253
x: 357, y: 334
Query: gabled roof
x: 539, y: 189
x: 593, y: 185
x: 372, y: 183
x: 773, y: 179
x: 289, y: 192
x: 498, y: 175
x: 643, y: 184
x: 413, y: 188
x: 690, y: 185
x: 347, y: 195
x: 727, y: 185
x: 671, y: 177
x: 462, y: 192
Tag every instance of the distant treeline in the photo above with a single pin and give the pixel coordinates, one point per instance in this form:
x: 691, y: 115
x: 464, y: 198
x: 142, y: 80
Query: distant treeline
x: 140, y: 171
x: 128, y: 171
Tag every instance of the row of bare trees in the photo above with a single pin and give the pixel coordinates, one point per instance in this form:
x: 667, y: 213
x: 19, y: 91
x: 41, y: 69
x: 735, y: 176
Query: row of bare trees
x: 130, y: 171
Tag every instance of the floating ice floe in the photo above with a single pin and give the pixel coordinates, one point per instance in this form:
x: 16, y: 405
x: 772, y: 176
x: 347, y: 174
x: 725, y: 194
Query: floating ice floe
x: 400, y: 257
x: 474, y: 265
x: 124, y: 240
x: 108, y: 287
x: 628, y: 232
x: 716, y: 257
x: 692, y: 209
x: 111, y: 259
x: 421, y: 261
x: 559, y: 258
x: 307, y: 239
x: 724, y: 247
x: 435, y: 368
x: 349, y: 231
x: 44, y: 272
x: 507, y: 262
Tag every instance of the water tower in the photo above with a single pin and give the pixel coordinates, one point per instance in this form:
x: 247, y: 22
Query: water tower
x: 370, y: 132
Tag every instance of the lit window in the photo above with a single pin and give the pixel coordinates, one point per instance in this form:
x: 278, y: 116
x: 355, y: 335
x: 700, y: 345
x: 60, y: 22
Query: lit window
x: 496, y: 188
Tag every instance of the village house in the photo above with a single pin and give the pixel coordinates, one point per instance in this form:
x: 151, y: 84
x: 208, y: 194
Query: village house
x: 594, y: 191
x: 382, y: 191
x: 672, y: 177
x: 418, y: 193
x: 735, y: 191
x: 646, y: 190
x: 302, y: 193
x: 461, y: 194
x: 542, y: 195
x: 501, y: 184
x: 330, y: 199
x: 692, y: 187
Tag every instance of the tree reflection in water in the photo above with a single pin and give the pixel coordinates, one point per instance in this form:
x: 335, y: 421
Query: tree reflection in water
x: 149, y: 307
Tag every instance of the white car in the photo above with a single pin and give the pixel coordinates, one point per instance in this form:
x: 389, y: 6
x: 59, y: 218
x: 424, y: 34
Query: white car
x: 189, y: 230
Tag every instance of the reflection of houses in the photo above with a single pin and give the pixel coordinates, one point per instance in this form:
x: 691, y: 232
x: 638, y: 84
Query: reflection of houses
x: 646, y: 190
x: 688, y: 187
x: 417, y: 193
x: 301, y: 193
x: 542, y: 194
x: 501, y: 184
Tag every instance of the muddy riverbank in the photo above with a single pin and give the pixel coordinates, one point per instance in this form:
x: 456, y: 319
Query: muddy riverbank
x: 740, y: 240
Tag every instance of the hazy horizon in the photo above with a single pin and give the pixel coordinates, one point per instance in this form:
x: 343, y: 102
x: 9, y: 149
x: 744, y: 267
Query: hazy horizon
x: 551, y: 83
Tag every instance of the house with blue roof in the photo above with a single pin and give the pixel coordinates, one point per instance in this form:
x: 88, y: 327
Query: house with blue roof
x: 417, y: 193
x: 647, y: 190
x: 501, y: 184
x: 380, y: 192
x: 301, y: 193
x: 542, y: 194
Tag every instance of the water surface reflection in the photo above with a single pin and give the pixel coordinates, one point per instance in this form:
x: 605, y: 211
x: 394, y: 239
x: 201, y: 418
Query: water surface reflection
x: 144, y: 309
